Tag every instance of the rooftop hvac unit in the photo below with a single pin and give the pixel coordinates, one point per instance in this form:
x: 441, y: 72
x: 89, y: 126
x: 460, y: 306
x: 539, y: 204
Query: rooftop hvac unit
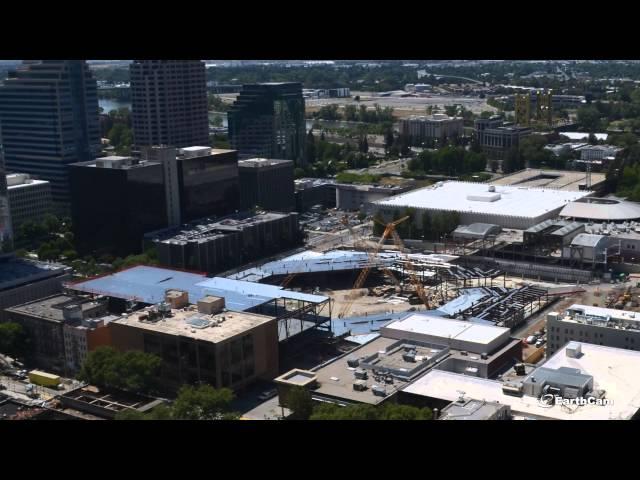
x: 359, y: 385
x: 409, y: 357
x: 361, y: 374
x: 484, y: 356
x: 353, y: 362
x: 379, y: 391
x: 512, y: 388
x: 574, y: 350
x: 464, y: 353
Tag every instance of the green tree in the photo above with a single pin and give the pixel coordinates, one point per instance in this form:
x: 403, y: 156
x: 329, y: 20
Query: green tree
x: 217, y: 121
x: 13, y: 339
x: 203, y: 403
x: 387, y: 411
x: 300, y: 403
x: 133, y: 370
x: 589, y: 118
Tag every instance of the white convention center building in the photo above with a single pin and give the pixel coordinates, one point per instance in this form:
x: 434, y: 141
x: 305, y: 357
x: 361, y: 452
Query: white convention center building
x: 507, y: 206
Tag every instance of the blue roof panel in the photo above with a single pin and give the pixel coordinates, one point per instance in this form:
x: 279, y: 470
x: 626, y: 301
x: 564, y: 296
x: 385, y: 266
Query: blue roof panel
x: 148, y: 285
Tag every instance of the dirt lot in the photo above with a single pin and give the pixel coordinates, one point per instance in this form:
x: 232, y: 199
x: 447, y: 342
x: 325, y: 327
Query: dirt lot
x: 366, y: 304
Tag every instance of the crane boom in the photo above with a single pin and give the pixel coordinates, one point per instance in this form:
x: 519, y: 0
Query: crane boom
x: 364, y: 273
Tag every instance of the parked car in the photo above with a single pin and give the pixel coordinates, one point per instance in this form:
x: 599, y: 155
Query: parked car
x: 540, y: 342
x: 531, y: 340
x: 268, y: 394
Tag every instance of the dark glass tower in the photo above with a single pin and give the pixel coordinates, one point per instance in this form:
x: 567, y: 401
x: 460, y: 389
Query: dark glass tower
x: 49, y: 119
x: 6, y: 243
x: 267, y: 121
x: 169, y: 103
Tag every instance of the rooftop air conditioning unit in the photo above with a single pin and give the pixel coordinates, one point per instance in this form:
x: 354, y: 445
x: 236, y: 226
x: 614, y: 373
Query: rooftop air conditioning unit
x: 353, y: 362
x: 361, y: 374
x: 379, y: 391
x: 359, y: 385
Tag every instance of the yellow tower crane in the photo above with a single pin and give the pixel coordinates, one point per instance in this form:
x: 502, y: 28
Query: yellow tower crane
x: 389, y: 230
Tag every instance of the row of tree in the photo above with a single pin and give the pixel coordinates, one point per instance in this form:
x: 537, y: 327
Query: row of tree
x: 433, y: 225
x: 450, y: 160
x: 352, y: 113
x: 139, y: 372
x: 302, y: 407
x: 202, y: 402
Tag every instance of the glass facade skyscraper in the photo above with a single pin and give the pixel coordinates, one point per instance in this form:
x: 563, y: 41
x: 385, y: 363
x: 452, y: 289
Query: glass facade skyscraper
x: 169, y: 103
x: 267, y: 121
x: 49, y: 119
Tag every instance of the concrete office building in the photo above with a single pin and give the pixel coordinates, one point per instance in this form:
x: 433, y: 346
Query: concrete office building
x: 215, y: 246
x: 6, y: 231
x: 597, y: 325
x: 169, y: 103
x: 598, y: 152
x: 116, y: 200
x: 577, y: 371
x: 22, y: 281
x: 404, y: 351
x: 310, y: 192
x: 198, y: 181
x: 267, y: 183
x: 62, y: 330
x: 49, y: 119
x: 496, y: 139
x: 29, y: 199
x: 420, y: 129
x: 202, y: 343
x: 267, y: 121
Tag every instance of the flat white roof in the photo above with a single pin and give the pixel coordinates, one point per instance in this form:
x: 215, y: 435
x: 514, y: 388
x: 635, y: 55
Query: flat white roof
x: 448, y: 328
x: 512, y: 201
x: 606, y: 312
x: 613, y: 369
x: 583, y: 135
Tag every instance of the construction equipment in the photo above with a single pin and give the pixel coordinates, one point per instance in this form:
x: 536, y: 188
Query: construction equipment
x: 364, y: 273
x: 370, y: 253
x: 412, y: 272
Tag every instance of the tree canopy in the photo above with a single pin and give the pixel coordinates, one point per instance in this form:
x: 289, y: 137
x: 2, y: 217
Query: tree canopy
x: 387, y: 411
x: 201, y: 402
x: 134, y: 371
x: 13, y: 339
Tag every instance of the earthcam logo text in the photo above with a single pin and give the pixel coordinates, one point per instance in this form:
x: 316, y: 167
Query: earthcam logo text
x: 549, y: 400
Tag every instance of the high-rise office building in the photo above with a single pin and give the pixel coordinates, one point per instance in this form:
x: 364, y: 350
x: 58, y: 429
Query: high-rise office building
x: 267, y: 121
x: 199, y: 181
x: 49, y: 119
x: 169, y: 103
x: 6, y: 243
x: 267, y: 183
x: 115, y: 200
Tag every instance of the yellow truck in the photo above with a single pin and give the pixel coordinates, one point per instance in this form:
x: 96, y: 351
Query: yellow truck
x: 44, y: 379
